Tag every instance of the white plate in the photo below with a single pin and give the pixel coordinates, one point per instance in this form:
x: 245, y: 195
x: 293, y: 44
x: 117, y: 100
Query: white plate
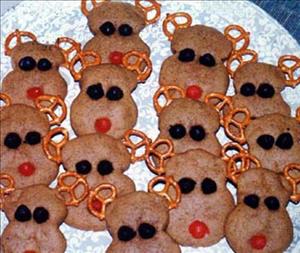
x: 51, y: 19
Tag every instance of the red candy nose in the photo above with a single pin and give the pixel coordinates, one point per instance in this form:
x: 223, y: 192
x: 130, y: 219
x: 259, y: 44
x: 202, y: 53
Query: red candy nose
x: 34, y: 92
x: 194, y: 92
x: 198, y: 229
x: 258, y: 241
x: 97, y: 205
x: 116, y: 57
x: 29, y: 251
x: 102, y: 125
x: 26, y: 169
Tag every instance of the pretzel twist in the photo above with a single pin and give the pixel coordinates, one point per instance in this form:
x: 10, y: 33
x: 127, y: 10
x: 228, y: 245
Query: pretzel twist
x: 171, y: 18
x: 7, y: 185
x: 234, y: 171
x: 169, y: 93
x: 290, y: 72
x: 298, y: 114
x: 70, y: 188
x: 231, y: 146
x: 155, y: 6
x: 97, y: 203
x: 138, y: 66
x: 95, y: 4
x: 169, y: 182
x: 6, y: 99
x: 18, y: 35
x: 54, y: 103
x: 242, y: 35
x: 294, y: 181
x: 48, y: 143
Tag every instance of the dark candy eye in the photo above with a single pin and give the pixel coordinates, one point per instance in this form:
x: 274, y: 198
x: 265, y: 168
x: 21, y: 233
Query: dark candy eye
x: 114, y: 93
x: 146, y: 231
x: 125, y: 30
x: 266, y: 141
x: 40, y: 215
x: 252, y: 200
x: 177, y: 131
x: 126, y: 233
x: 186, y: 185
x: 27, y: 63
x: 22, y: 213
x: 207, y: 60
x: 105, y: 167
x: 285, y: 141
x: 33, y: 138
x: 44, y: 64
x: 107, y: 28
x: 197, y: 133
x: 272, y: 203
x: 208, y: 186
x: 186, y: 55
x: 83, y: 167
x: 95, y: 91
x: 247, y: 89
x: 265, y: 90
x: 12, y: 140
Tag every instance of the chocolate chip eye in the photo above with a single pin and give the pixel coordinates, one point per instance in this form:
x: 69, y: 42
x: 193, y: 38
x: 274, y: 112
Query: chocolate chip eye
x: 186, y: 55
x: 266, y: 141
x: 44, y: 64
x: 208, y: 186
x: 265, y: 90
x: 207, y: 60
x: 252, y: 201
x: 12, y: 140
x: 27, y: 63
x: 83, y: 167
x: 107, y: 28
x: 114, y: 93
x: 186, y: 185
x: 146, y: 231
x: 95, y: 91
x: 23, y: 213
x: 33, y: 138
x: 197, y: 133
x: 40, y: 215
x: 285, y: 141
x: 126, y: 233
x: 272, y: 203
x: 247, y: 89
x: 177, y: 131
x: 125, y: 30
x: 105, y: 167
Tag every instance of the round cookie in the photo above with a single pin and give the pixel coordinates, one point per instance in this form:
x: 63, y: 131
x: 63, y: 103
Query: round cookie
x: 35, y: 214
x: 190, y: 125
x: 137, y: 223
x: 275, y: 140
x: 198, y: 59
x: 98, y: 159
x: 260, y: 222
x: 199, y: 219
x: 258, y: 87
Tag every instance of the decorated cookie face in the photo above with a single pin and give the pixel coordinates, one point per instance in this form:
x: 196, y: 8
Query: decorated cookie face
x: 35, y: 214
x: 190, y: 124
x: 258, y: 87
x: 275, y: 140
x: 35, y: 72
x: 199, y: 219
x: 198, y: 55
x: 137, y: 223
x: 260, y: 222
x: 105, y: 104
x: 116, y: 27
x: 97, y: 159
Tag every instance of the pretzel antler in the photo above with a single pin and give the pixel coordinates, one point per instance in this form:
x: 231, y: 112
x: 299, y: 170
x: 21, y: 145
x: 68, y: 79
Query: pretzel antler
x: 18, y: 35
x: 171, y: 19
x: 293, y: 180
x: 169, y: 182
x: 230, y: 146
x: 97, y: 203
x: 95, y: 4
x: 242, y: 35
x: 6, y: 100
x: 290, y: 72
x: 7, y: 185
x: 298, y: 114
x: 155, y: 6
